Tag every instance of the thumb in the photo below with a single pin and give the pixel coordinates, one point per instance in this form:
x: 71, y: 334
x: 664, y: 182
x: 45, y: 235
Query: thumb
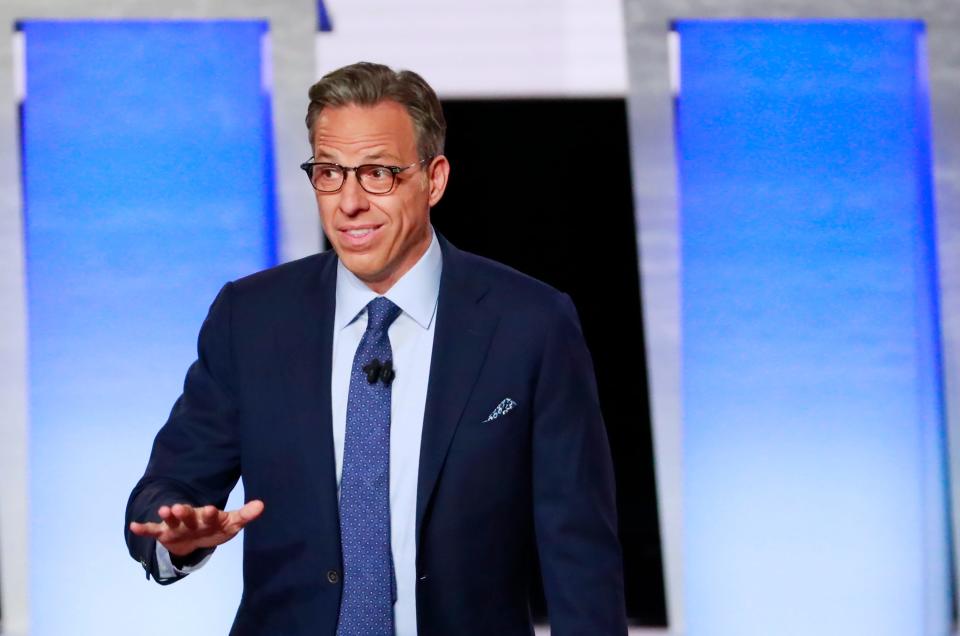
x: 251, y: 510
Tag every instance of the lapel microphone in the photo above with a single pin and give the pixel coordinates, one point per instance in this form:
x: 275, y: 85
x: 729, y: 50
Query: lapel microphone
x: 382, y: 371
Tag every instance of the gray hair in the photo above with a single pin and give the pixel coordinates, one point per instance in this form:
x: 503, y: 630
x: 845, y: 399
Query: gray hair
x: 367, y: 84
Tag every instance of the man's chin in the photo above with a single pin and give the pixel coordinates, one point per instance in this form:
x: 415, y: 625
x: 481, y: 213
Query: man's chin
x: 363, y: 267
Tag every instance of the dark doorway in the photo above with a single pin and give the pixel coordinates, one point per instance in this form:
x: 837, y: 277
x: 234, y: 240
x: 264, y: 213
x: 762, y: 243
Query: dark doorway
x: 544, y: 186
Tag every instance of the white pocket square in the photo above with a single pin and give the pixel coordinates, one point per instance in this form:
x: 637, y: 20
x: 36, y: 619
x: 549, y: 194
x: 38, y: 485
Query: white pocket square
x: 501, y: 409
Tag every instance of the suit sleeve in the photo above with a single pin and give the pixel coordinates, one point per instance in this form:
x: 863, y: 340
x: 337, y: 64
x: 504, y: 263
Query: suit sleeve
x: 573, y: 487
x: 195, y: 457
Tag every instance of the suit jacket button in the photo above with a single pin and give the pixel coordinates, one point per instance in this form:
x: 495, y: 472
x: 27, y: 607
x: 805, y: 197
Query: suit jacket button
x: 333, y: 576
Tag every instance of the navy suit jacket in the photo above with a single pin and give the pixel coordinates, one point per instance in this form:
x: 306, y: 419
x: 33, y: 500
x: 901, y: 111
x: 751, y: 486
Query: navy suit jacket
x: 256, y: 405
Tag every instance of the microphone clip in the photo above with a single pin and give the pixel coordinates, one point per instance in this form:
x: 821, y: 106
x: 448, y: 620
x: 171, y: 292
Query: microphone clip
x: 382, y: 371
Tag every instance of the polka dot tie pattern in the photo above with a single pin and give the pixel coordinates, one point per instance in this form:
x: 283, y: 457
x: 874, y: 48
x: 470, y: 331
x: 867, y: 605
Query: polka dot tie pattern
x: 369, y: 588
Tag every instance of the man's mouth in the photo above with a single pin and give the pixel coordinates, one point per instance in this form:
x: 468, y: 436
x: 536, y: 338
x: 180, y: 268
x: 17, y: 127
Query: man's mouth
x: 360, y: 236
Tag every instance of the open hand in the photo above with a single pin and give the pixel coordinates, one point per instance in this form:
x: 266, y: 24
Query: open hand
x: 185, y: 528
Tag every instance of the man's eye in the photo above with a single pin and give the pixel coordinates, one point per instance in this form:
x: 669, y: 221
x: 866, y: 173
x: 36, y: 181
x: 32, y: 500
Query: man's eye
x: 378, y: 172
x: 328, y: 172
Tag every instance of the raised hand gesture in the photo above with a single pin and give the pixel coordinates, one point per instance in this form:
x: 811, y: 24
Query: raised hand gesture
x: 186, y: 528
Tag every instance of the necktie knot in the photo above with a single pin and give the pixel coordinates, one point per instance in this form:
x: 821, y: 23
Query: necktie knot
x: 381, y: 313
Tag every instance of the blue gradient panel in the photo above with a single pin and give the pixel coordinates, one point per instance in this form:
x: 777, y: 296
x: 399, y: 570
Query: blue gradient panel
x: 814, y: 477
x: 148, y: 183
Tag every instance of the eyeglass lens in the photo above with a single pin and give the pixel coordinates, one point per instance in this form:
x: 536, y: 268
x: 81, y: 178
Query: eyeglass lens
x: 374, y: 179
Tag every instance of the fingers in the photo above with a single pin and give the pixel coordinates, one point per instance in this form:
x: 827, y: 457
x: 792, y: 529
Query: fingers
x: 176, y: 521
x: 166, y: 514
x: 209, y: 514
x: 147, y: 529
x: 187, y: 515
x: 184, y: 527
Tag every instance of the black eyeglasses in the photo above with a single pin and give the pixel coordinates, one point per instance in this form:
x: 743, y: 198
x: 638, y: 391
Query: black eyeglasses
x: 373, y: 178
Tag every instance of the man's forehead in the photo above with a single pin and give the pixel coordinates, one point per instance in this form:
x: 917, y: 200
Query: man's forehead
x: 364, y: 134
x: 384, y: 129
x: 385, y: 112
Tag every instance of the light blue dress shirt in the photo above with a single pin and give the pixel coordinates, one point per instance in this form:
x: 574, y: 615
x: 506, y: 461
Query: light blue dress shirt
x: 411, y: 339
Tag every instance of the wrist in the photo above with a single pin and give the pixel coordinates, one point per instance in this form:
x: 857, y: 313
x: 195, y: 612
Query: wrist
x: 190, y: 559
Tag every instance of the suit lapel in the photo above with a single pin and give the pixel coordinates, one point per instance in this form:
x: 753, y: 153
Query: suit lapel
x: 463, y: 333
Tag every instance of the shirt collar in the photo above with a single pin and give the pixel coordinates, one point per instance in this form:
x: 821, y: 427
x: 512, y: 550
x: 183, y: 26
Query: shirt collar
x: 415, y: 293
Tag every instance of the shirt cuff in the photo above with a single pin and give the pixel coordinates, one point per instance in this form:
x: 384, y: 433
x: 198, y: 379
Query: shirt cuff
x: 168, y: 570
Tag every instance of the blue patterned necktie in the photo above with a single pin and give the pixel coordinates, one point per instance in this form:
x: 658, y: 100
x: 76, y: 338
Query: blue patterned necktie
x: 369, y: 590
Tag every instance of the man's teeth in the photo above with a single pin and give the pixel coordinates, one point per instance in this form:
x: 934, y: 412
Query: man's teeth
x: 359, y: 233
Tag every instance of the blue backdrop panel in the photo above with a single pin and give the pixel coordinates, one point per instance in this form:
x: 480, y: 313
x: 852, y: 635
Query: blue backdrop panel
x: 813, y: 437
x: 148, y: 184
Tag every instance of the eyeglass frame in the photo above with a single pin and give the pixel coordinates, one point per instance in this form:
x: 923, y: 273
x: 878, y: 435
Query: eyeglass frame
x: 307, y: 167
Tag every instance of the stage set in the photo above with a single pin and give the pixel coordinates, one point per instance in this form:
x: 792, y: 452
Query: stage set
x: 754, y: 205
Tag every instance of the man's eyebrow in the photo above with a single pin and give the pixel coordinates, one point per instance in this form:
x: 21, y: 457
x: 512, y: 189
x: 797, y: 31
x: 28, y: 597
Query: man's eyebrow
x: 381, y: 156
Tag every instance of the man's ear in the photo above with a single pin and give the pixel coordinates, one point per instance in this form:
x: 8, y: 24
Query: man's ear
x: 438, y: 172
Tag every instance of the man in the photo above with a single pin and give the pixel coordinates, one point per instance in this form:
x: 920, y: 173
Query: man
x: 410, y: 421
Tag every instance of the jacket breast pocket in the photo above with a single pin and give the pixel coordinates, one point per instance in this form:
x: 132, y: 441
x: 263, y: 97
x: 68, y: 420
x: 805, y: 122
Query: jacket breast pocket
x: 493, y: 421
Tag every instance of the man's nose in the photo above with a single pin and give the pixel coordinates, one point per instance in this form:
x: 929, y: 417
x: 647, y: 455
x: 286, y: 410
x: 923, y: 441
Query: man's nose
x: 353, y: 198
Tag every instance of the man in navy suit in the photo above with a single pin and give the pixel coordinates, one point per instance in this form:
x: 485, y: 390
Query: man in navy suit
x: 494, y: 445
